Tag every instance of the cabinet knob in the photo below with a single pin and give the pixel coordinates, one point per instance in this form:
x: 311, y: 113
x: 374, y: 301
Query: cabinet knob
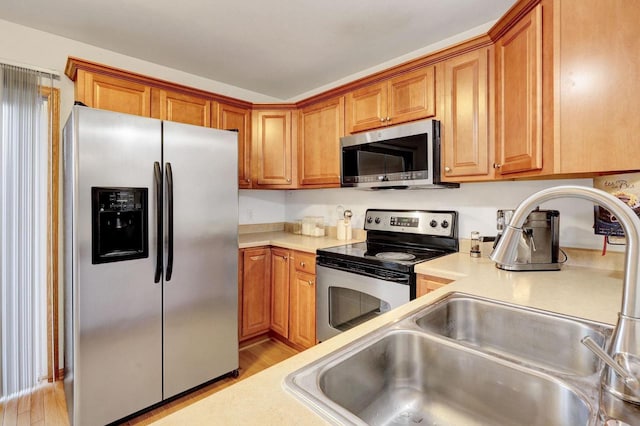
x: 447, y: 169
x: 382, y: 119
x: 496, y: 165
x: 388, y: 118
x: 302, y: 264
x: 288, y: 179
x: 310, y: 282
x: 284, y: 257
x: 248, y: 180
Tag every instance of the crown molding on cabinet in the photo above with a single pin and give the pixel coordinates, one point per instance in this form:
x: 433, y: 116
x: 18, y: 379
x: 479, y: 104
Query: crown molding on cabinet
x: 74, y: 64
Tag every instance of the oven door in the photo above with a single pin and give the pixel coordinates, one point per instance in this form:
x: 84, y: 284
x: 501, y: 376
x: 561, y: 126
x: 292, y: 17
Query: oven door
x: 346, y: 299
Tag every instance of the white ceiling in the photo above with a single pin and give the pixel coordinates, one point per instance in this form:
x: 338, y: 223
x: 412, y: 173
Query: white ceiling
x: 279, y: 48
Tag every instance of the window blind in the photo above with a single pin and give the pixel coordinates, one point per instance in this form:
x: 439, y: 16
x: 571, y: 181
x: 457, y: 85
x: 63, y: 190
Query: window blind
x: 24, y: 127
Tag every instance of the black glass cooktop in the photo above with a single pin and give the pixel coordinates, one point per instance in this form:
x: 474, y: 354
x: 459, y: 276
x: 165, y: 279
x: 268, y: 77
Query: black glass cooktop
x: 391, y: 256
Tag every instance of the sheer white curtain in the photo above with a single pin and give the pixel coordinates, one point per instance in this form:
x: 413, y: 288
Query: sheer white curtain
x: 23, y: 229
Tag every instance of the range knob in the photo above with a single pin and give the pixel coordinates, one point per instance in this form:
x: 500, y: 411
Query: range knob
x: 377, y: 220
x: 445, y: 224
x: 433, y: 223
x: 369, y: 219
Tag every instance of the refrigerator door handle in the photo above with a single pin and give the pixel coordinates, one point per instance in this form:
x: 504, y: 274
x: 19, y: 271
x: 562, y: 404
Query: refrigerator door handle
x: 169, y: 174
x: 158, y: 181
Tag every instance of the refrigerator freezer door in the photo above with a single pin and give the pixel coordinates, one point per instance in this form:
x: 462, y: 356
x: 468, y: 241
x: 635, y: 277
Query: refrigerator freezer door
x: 200, y: 298
x: 113, y: 309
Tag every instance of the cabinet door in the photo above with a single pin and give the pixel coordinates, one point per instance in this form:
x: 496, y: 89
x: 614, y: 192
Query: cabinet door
x: 427, y: 283
x: 366, y: 108
x: 321, y: 127
x: 280, y: 291
x: 519, y: 96
x: 302, y: 311
x: 113, y: 94
x: 411, y: 96
x: 256, y: 292
x: 181, y: 108
x: 599, y: 86
x: 465, y: 125
x: 272, y: 143
x: 229, y: 117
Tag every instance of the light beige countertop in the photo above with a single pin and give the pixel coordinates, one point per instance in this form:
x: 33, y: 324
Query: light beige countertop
x: 261, y: 399
x: 290, y: 241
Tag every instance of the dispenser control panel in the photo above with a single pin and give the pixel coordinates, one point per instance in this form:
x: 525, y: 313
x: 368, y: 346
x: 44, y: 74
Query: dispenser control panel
x: 119, y: 224
x: 125, y: 200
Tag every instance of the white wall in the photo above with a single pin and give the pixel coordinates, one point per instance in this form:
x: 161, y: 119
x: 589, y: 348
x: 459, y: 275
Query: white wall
x: 261, y: 206
x: 476, y: 203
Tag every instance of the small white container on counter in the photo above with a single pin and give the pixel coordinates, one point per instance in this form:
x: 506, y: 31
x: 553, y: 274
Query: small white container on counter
x: 343, y: 226
x: 313, y: 226
x: 343, y: 229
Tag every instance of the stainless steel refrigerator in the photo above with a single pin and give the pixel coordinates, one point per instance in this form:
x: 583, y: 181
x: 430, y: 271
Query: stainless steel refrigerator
x: 151, y: 264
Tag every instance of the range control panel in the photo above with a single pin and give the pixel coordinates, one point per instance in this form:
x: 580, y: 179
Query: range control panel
x: 440, y: 223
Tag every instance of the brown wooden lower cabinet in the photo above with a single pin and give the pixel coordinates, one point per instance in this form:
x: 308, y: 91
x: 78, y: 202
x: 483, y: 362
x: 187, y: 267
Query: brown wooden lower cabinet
x: 280, y: 291
x: 428, y: 283
x: 293, y: 297
x: 255, y: 292
x: 277, y: 295
x: 302, y: 309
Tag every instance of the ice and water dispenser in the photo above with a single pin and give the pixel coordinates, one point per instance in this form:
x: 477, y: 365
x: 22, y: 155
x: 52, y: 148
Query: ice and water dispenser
x: 119, y: 224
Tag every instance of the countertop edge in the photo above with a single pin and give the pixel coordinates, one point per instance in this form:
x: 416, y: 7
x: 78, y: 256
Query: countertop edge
x: 581, y: 292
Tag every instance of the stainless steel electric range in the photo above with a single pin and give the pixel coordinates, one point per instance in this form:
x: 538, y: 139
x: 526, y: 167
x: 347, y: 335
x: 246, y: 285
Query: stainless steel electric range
x: 356, y: 282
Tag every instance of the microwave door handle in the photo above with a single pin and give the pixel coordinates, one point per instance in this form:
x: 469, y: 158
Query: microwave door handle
x: 158, y: 184
x: 169, y: 174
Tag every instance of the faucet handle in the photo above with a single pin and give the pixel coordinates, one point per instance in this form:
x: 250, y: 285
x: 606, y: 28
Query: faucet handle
x: 629, y: 379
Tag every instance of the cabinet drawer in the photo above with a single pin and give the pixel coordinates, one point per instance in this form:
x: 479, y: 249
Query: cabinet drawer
x: 305, y: 262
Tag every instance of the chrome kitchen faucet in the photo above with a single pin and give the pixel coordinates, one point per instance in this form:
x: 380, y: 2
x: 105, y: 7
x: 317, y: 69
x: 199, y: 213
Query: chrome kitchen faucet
x: 624, y: 347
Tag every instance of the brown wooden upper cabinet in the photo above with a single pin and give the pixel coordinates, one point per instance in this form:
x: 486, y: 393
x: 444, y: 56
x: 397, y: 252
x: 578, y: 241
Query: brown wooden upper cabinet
x: 465, y: 129
x: 229, y: 117
x: 519, y: 96
x: 321, y: 126
x: 181, y: 107
x: 273, y: 148
x: 559, y: 78
x: 599, y: 93
x: 113, y: 94
x: 407, y: 97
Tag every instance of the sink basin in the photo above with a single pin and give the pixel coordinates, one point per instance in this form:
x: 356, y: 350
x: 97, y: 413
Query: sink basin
x: 407, y: 377
x: 464, y: 360
x: 526, y: 335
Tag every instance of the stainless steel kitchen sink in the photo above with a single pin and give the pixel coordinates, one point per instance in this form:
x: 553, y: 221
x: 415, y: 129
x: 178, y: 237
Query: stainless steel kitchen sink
x: 440, y: 365
x: 405, y: 377
x: 525, y: 335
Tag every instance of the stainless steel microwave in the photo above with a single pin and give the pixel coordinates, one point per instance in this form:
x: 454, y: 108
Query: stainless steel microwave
x: 398, y: 157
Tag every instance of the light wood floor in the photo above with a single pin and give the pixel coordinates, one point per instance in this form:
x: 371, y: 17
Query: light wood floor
x: 46, y: 406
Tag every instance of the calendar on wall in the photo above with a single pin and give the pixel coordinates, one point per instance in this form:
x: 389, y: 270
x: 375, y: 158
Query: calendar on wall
x: 625, y: 187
